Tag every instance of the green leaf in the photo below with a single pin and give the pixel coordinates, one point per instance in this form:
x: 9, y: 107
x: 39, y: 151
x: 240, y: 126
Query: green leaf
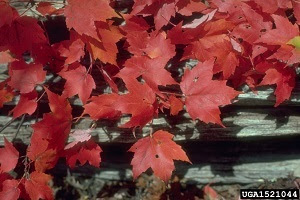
x: 295, y: 42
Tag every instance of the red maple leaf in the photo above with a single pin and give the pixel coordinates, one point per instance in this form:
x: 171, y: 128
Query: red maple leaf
x: 8, y: 157
x: 161, y: 10
x: 102, y: 107
x: 284, y: 78
x: 214, y: 44
x: 83, y: 18
x: 204, y: 95
x: 50, y: 134
x: 37, y: 186
x: 7, y: 13
x: 252, y: 27
x: 273, y: 6
x: 10, y: 190
x: 27, y: 104
x: 158, y: 152
x: 78, y: 82
x: 21, y: 35
x: 46, y: 8
x: 6, y: 57
x: 25, y: 77
x: 159, y: 51
x: 188, y: 7
x: 283, y: 32
x: 176, y: 105
x: 210, y: 193
x: 177, y: 36
x: 83, y: 149
x: 140, y: 102
x: 105, y: 48
x: 296, y: 8
x: 45, y: 160
x: 6, y: 93
x: 72, y: 49
x: 79, y: 135
x: 152, y: 70
x: 283, y: 35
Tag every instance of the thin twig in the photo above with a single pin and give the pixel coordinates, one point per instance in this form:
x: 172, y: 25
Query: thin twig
x: 19, y: 126
x: 7, y: 124
x: 91, y: 64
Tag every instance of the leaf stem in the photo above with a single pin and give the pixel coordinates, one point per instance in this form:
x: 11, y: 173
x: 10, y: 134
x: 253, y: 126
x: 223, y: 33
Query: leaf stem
x: 91, y: 64
x: 19, y: 127
x: 41, y: 96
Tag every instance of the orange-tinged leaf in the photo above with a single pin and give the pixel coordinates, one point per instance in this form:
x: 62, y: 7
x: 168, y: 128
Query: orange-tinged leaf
x: 159, y: 46
x: 157, y: 152
x: 45, y: 160
x: 37, y: 186
x: 46, y: 8
x: 6, y: 94
x: 106, y: 50
x: 5, y: 57
x: 176, y: 105
x: 8, y: 157
x: 38, y: 145
x: 210, y: 193
x: 187, y: 7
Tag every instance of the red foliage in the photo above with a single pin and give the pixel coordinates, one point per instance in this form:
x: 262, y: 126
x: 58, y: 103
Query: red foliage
x: 158, y: 152
x: 140, y: 54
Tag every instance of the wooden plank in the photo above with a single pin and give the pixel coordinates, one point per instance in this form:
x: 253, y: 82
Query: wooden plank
x: 224, y: 163
x: 241, y: 123
x: 29, y: 8
x: 248, y: 173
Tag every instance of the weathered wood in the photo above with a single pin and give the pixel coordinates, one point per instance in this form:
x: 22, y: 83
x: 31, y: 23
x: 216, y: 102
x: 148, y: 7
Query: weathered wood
x: 29, y: 8
x: 241, y: 123
x: 213, y: 162
x: 247, y: 173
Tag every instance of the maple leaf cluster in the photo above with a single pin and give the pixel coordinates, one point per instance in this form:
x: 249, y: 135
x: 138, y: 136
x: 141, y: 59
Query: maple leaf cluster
x: 140, y: 54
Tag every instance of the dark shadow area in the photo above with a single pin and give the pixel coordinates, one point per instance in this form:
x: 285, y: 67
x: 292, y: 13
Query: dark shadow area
x: 219, y: 155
